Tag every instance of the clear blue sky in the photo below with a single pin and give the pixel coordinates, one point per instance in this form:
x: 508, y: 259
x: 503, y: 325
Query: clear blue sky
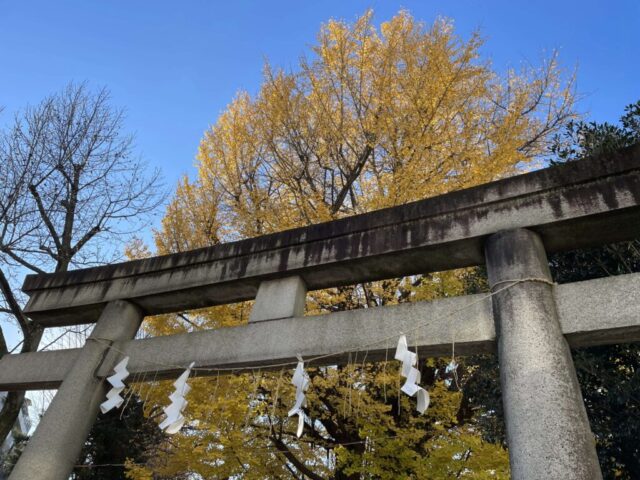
x: 175, y: 65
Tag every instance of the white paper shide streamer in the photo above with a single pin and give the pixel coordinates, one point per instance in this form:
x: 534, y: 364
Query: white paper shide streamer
x: 301, y: 382
x: 412, y: 374
x: 174, y: 421
x: 114, y: 400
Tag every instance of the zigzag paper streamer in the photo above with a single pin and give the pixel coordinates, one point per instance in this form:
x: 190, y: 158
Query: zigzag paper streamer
x: 412, y: 374
x: 174, y: 421
x: 114, y: 400
x: 301, y: 382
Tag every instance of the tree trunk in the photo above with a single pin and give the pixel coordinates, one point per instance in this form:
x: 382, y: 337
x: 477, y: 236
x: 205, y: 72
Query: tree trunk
x: 13, y: 401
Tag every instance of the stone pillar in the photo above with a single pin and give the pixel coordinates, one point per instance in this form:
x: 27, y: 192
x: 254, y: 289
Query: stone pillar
x: 548, y: 431
x: 280, y: 298
x: 53, y: 450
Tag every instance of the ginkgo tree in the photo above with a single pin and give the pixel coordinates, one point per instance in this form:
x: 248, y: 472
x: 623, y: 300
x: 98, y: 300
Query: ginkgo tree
x: 373, y: 117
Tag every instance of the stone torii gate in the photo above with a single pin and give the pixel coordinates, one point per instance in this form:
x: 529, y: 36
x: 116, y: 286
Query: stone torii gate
x: 509, y: 225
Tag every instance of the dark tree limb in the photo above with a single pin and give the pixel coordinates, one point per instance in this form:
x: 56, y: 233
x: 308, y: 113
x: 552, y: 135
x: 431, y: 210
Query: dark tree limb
x: 45, y: 216
x: 295, y: 461
x: 13, y: 305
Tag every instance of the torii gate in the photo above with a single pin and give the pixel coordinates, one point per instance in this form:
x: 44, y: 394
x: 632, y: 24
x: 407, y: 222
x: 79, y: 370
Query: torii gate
x: 509, y: 225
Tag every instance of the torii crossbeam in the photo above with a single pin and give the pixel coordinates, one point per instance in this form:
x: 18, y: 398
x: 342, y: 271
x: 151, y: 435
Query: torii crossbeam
x: 509, y: 225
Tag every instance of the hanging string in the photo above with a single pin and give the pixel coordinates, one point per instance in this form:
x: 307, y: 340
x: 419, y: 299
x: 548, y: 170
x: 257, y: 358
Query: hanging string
x: 252, y: 449
x: 275, y: 397
x: 361, y: 347
x: 131, y: 390
x: 257, y: 378
x: 520, y: 280
x: 384, y: 373
x: 349, y: 352
x: 338, y: 353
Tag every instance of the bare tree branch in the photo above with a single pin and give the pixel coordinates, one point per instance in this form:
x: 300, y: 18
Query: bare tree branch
x: 15, y: 309
x: 295, y: 461
x: 69, y: 194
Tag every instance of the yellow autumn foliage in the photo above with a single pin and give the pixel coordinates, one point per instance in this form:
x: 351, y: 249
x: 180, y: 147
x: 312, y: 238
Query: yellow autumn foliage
x: 374, y: 117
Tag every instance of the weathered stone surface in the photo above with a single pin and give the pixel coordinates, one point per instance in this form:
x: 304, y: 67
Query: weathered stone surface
x: 53, y: 449
x: 279, y: 298
x: 547, y: 427
x: 583, y: 203
x: 594, y: 312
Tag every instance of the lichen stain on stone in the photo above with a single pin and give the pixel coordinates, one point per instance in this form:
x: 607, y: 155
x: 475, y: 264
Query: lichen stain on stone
x: 284, y: 260
x: 237, y: 266
x: 555, y: 202
x: 568, y: 191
